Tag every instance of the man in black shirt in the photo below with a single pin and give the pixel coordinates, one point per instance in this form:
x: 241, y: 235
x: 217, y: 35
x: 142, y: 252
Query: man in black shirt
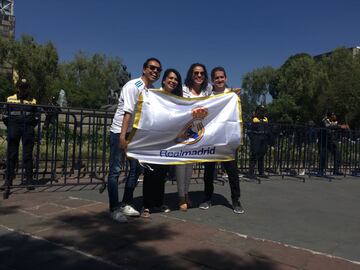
x: 328, y: 142
x: 259, y: 139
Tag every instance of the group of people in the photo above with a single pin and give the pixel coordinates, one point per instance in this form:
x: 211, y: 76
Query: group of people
x: 196, y: 84
x: 21, y: 121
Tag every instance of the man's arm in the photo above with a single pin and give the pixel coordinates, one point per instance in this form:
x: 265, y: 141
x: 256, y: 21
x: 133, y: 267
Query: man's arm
x: 124, y: 128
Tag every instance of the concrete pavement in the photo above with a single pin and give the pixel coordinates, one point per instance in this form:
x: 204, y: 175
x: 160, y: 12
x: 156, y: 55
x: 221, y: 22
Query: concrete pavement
x: 287, y: 225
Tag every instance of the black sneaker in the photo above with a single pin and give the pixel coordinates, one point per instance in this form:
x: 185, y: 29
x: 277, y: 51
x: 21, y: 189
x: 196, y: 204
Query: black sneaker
x: 205, y: 205
x: 3, y: 187
x: 250, y: 176
x: 29, y: 186
x: 238, y: 209
x: 118, y: 216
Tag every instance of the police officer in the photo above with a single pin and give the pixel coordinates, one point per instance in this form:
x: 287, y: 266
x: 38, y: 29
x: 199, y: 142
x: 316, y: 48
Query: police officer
x: 328, y: 142
x: 20, y: 117
x: 259, y: 138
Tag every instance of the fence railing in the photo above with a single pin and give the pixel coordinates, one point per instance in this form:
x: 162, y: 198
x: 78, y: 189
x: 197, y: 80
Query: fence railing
x: 72, y: 148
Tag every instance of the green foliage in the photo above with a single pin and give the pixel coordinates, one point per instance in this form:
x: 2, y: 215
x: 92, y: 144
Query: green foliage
x: 304, y: 88
x: 301, y: 78
x: 259, y: 83
x: 6, y: 87
x: 5, y: 46
x: 343, y: 93
x: 37, y: 63
x: 284, y: 110
x: 248, y: 106
x: 85, y: 79
x: 5, y: 79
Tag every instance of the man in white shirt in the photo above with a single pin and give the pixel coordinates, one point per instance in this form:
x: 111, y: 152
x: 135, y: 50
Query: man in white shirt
x: 120, y: 128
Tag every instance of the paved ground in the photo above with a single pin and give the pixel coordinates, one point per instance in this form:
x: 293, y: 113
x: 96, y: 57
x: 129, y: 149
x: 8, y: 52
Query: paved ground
x: 311, y: 225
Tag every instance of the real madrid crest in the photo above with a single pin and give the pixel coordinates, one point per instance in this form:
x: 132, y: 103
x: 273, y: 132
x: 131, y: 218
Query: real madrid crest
x: 194, y: 130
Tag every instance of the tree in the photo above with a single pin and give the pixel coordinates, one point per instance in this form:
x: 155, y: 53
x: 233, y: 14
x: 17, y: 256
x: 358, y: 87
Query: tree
x: 6, y: 87
x: 259, y: 83
x: 284, y: 110
x: 5, y: 45
x: 37, y: 63
x: 302, y: 79
x: 87, y: 79
x: 247, y: 106
x: 343, y: 92
x: 304, y: 88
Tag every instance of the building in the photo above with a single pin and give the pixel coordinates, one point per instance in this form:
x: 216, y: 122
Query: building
x: 7, y: 18
x: 354, y: 51
x: 7, y: 27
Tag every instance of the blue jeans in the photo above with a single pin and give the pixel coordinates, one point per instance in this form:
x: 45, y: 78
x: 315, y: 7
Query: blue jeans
x: 117, y: 157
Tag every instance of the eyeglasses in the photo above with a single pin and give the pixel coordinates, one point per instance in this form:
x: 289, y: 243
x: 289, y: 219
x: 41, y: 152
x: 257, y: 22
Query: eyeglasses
x: 154, y: 68
x: 197, y: 73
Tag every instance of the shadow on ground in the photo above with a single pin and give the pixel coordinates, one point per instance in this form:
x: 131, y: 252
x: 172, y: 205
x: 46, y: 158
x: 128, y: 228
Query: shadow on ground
x: 197, y: 197
x: 8, y: 210
x: 94, y: 241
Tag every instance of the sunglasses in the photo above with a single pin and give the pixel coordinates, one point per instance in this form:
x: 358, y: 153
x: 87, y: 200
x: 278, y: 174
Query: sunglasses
x: 154, y: 68
x: 197, y: 73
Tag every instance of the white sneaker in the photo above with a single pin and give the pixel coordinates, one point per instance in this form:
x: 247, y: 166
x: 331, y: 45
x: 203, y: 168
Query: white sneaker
x: 205, y: 205
x: 118, y: 216
x: 130, y: 211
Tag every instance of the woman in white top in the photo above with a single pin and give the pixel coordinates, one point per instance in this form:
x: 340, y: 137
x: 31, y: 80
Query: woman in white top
x: 196, y: 85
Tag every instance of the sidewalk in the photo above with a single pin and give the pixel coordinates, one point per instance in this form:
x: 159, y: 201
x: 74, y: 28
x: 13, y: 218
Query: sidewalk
x: 72, y: 230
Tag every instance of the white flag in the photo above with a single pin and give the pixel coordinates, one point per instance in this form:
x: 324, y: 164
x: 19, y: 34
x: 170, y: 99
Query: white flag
x: 174, y: 130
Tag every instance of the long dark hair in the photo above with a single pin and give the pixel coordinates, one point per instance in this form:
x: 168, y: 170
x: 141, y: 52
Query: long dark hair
x: 189, y: 80
x: 178, y: 90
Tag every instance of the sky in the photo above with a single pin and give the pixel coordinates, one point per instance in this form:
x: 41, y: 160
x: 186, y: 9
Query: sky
x: 239, y: 35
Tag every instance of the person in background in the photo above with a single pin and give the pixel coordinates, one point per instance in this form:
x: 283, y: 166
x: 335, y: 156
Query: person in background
x: 259, y: 139
x: 52, y: 112
x: 154, y: 178
x: 328, y: 142
x: 219, y: 80
x: 196, y: 85
x: 20, y: 118
x: 120, y: 128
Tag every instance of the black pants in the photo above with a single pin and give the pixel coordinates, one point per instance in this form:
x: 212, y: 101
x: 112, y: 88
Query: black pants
x: 258, y: 149
x: 324, y: 148
x: 15, y: 132
x: 232, y: 172
x: 154, y: 185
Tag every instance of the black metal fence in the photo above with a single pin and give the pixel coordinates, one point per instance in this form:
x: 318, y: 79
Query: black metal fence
x: 298, y: 150
x: 72, y: 148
